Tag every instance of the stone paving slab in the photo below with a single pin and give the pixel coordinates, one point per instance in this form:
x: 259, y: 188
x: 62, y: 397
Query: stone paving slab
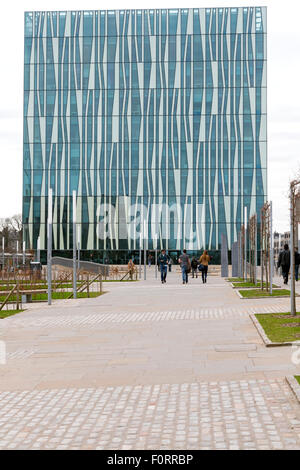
x: 254, y: 414
x: 236, y: 347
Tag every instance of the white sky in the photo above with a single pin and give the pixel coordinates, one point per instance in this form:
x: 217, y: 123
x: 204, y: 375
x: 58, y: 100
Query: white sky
x: 283, y: 91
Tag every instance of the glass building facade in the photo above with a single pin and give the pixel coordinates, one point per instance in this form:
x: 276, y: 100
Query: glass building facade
x: 156, y: 118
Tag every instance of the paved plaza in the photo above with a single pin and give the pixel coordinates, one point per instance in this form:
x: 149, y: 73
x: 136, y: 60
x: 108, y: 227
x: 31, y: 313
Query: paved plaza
x: 147, y: 366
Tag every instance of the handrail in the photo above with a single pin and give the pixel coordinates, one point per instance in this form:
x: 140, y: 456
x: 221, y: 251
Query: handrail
x: 7, y: 297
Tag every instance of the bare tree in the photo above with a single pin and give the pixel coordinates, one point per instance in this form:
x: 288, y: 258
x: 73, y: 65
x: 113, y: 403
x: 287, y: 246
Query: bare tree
x: 11, y: 228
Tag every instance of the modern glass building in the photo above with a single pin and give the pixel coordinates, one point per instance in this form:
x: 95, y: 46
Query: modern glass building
x: 156, y: 118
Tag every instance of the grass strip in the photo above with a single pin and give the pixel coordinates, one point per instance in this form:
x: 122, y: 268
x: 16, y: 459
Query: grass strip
x: 258, y: 294
x: 56, y: 295
x: 280, y: 327
x: 251, y: 284
x: 9, y: 313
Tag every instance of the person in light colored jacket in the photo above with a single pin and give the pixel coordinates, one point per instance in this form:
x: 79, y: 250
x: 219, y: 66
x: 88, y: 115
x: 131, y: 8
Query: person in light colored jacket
x: 204, y: 260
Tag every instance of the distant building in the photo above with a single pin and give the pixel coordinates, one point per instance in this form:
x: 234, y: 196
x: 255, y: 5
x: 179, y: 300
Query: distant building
x: 276, y: 244
x: 279, y: 240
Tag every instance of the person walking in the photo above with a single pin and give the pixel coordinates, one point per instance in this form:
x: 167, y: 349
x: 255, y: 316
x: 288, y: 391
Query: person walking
x: 284, y: 261
x: 131, y: 268
x: 185, y: 265
x: 149, y: 260
x: 297, y: 262
x: 194, y: 266
x: 203, y: 261
x: 163, y: 266
x: 170, y: 265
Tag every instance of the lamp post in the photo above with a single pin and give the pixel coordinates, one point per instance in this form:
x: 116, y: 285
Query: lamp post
x: 3, y: 257
x: 17, y: 254
x: 24, y: 247
x: 292, y: 256
x: 271, y: 248
x: 255, y: 251
x: 245, y: 223
x: 38, y: 251
x: 145, y: 253
x: 294, y: 219
x: 156, y: 238
x: 74, y: 248
x: 140, y: 256
x: 78, y: 246
x: 49, y: 247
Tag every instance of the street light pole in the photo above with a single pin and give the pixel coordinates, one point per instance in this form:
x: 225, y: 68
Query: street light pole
x: 3, y: 256
x: 156, y: 241
x: 38, y: 253
x: 245, y: 242
x: 292, y: 256
x: 74, y: 248
x: 17, y: 256
x: 255, y: 252
x: 140, y: 253
x: 145, y: 253
x: 49, y: 247
x: 24, y: 247
x: 78, y: 245
x: 271, y: 248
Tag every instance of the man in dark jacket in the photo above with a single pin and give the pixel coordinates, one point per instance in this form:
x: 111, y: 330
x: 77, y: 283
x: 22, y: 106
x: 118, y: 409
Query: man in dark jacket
x: 194, y: 264
x: 284, y: 260
x: 163, y: 266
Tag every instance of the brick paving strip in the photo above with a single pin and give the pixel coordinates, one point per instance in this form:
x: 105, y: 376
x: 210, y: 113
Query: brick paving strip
x: 254, y: 414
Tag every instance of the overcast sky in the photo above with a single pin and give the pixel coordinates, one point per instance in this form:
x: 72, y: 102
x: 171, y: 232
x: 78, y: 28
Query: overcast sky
x: 283, y: 91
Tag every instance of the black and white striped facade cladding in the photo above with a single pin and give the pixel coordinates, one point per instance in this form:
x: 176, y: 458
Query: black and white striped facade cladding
x: 155, y: 115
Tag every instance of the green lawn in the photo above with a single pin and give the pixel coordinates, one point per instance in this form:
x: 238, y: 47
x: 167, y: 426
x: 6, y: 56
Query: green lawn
x: 64, y: 295
x: 24, y: 285
x: 297, y: 377
x: 36, y: 286
x: 258, y: 293
x: 55, y: 295
x: 279, y: 327
x: 250, y: 284
x: 235, y: 279
x: 9, y: 313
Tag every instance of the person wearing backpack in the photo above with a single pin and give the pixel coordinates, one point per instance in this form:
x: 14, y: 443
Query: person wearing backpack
x: 284, y: 260
x: 185, y: 265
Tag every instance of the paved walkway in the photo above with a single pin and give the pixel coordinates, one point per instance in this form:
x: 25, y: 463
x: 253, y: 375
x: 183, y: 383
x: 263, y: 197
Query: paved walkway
x: 147, y: 366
